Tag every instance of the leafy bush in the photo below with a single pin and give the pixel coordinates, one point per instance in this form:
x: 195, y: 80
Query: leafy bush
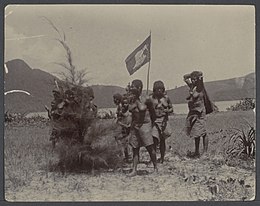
x: 18, y: 118
x: 82, y: 138
x: 243, y: 105
x: 241, y: 143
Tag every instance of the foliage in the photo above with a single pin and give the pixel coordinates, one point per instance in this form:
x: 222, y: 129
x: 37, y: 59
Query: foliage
x: 243, y: 105
x: 78, y: 131
x: 72, y: 74
x: 19, y: 118
x: 72, y: 111
x: 97, y: 151
x: 106, y: 115
x: 242, y: 143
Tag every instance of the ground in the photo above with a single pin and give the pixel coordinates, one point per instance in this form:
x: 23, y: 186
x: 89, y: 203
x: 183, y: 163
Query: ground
x: 212, y: 177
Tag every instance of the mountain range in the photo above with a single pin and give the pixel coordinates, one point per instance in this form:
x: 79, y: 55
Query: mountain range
x: 40, y: 84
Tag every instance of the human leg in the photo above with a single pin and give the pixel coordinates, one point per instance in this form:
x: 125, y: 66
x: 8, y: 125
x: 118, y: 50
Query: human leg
x: 162, y: 149
x: 135, y: 161
x: 197, y: 146
x: 205, y: 143
x: 152, y: 154
x: 156, y: 142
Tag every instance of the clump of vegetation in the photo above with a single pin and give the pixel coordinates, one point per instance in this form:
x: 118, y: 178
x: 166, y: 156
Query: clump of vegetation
x: 106, y: 115
x: 241, y: 143
x: 97, y: 151
x: 243, y: 105
x: 19, y: 118
x: 84, y: 142
x: 73, y: 118
x: 71, y: 73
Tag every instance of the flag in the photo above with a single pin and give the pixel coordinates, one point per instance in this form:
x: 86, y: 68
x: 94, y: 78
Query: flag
x: 139, y: 57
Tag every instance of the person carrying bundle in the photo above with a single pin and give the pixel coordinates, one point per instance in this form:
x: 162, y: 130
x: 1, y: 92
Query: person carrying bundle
x: 199, y: 105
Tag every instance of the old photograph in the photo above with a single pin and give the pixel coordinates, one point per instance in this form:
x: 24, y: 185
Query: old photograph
x: 129, y: 102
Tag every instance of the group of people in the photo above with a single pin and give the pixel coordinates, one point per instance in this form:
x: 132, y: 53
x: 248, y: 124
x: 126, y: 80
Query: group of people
x: 144, y: 121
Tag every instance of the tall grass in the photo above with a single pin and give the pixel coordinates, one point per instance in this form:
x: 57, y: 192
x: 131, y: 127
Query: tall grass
x: 219, y: 130
x: 98, y: 150
x: 26, y: 151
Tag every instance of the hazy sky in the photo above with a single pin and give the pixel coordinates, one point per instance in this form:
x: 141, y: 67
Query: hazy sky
x: 218, y: 40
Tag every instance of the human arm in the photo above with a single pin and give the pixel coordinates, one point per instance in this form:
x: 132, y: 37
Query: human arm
x: 123, y: 125
x: 195, y: 93
x: 186, y: 79
x: 126, y: 122
x: 170, y: 107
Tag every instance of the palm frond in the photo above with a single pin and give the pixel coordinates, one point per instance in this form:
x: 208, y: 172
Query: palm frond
x: 241, y: 141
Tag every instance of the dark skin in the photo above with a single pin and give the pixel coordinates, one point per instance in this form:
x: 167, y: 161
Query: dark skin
x: 195, y: 90
x: 159, y: 97
x: 125, y: 105
x: 141, y: 107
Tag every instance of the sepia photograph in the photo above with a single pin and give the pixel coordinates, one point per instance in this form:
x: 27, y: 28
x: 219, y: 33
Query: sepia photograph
x: 120, y: 102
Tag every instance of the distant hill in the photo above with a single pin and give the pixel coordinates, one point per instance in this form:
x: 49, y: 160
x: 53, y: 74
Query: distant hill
x: 221, y: 90
x: 104, y: 95
x: 35, y: 81
x: 40, y: 85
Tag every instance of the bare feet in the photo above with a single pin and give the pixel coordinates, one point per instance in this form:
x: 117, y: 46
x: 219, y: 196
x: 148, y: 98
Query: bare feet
x: 204, y: 155
x: 193, y: 155
x: 155, y: 171
x: 160, y: 160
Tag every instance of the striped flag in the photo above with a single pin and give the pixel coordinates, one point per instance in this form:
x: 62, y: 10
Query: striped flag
x: 139, y: 57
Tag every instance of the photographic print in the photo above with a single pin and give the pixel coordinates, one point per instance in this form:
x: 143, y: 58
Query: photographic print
x: 129, y: 102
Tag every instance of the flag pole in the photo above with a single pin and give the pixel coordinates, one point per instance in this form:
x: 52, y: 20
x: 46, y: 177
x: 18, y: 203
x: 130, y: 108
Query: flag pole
x: 148, y: 71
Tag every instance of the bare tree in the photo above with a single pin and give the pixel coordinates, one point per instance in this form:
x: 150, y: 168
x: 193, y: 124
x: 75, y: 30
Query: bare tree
x: 71, y: 74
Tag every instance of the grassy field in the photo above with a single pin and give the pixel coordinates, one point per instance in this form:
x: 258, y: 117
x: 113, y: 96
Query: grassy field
x: 28, y: 156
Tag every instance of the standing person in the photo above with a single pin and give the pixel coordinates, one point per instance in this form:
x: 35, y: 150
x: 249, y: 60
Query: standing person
x: 163, y: 107
x: 199, y: 105
x: 124, y: 119
x: 141, y: 125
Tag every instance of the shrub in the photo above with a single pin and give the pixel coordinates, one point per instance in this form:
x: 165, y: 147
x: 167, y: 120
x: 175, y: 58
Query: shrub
x: 98, y: 150
x: 83, y: 139
x: 243, y: 105
x: 241, y: 143
x: 18, y: 118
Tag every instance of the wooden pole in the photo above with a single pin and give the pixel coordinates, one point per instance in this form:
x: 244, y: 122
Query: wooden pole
x: 148, y: 71
x: 148, y: 75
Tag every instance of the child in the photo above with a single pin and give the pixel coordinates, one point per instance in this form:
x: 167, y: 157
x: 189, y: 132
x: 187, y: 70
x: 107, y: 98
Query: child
x: 124, y: 120
x: 117, y: 100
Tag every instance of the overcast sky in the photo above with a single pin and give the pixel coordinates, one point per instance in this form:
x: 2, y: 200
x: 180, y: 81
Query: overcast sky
x: 218, y: 40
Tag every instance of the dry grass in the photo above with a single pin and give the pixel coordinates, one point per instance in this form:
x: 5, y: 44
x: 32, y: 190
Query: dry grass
x: 28, y: 154
x: 26, y: 151
x: 97, y: 151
